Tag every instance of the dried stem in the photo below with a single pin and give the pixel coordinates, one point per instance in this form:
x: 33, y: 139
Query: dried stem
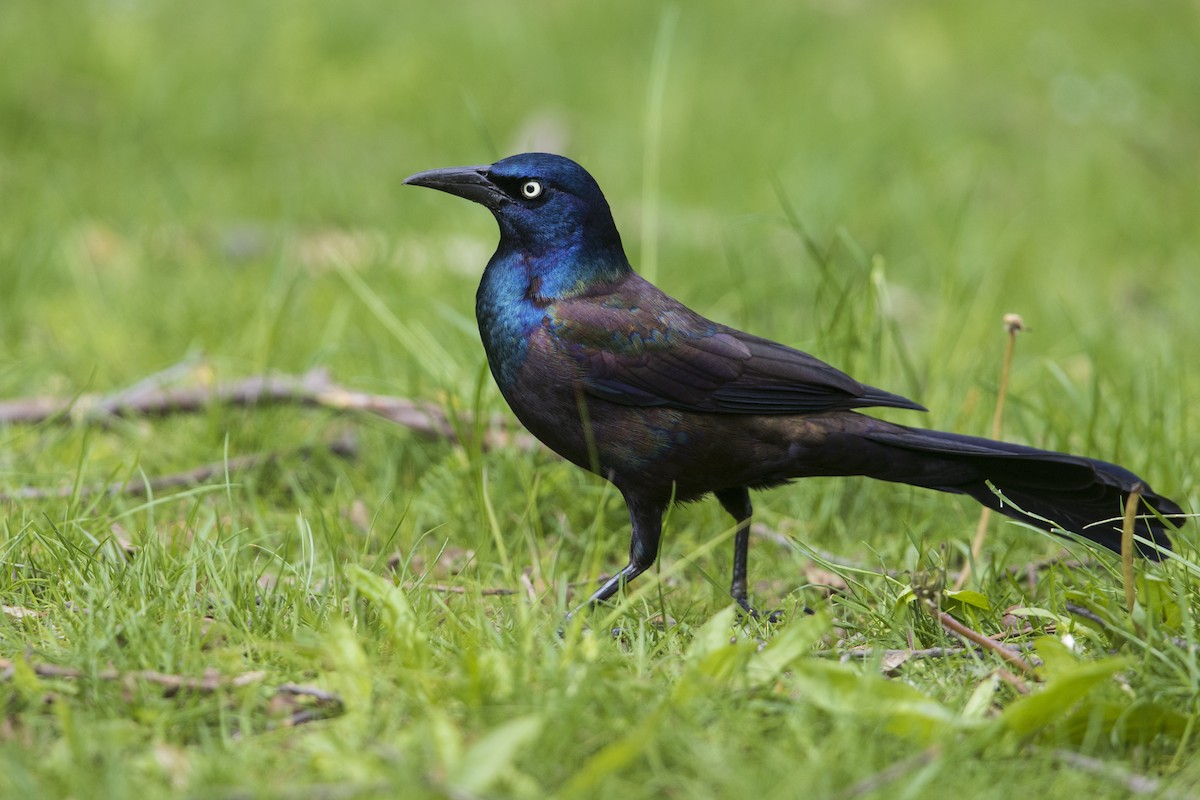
x: 1131, y: 505
x: 929, y: 652
x: 150, y: 398
x: 956, y: 627
x: 1013, y: 324
x: 210, y: 682
x: 314, y: 388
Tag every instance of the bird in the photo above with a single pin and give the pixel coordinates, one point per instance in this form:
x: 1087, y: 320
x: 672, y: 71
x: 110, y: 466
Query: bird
x: 623, y: 380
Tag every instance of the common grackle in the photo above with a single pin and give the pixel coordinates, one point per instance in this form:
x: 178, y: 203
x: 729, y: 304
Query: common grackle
x: 622, y: 380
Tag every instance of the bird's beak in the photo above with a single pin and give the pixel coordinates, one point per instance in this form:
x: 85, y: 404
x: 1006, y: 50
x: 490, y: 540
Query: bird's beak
x: 469, y: 182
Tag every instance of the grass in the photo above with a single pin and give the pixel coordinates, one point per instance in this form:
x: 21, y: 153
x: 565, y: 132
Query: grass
x: 218, y: 184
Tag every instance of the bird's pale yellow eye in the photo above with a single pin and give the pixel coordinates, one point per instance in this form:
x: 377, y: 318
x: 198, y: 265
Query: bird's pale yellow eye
x: 531, y: 189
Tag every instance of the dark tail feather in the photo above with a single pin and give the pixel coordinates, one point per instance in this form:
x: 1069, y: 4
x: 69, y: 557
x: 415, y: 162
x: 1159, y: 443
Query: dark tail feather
x: 1081, y: 495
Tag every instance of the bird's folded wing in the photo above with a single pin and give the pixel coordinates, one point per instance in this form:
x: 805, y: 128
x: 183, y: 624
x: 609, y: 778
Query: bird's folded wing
x: 635, y: 358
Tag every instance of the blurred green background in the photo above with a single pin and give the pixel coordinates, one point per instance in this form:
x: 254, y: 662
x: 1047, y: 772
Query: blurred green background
x: 876, y: 183
x: 167, y: 169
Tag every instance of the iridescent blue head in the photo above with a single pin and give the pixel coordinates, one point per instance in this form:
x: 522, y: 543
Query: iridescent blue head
x: 552, y: 215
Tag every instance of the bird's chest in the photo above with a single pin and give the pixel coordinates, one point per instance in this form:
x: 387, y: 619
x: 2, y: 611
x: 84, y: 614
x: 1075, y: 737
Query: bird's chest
x: 507, y: 319
x: 541, y: 376
x: 537, y: 378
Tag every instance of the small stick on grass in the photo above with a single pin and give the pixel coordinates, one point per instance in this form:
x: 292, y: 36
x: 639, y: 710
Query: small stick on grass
x: 1013, y: 324
x: 298, y: 690
x: 313, y: 388
x: 1012, y: 680
x: 957, y: 628
x: 1087, y: 614
x: 866, y: 653
x: 210, y: 682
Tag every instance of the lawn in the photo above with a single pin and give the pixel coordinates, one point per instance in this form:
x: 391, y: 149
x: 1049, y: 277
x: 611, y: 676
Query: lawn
x: 193, y: 194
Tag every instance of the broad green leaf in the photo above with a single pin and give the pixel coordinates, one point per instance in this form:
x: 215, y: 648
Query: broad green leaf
x: 1056, y: 657
x: 350, y: 676
x: 1157, y: 603
x: 713, y: 656
x: 615, y: 756
x: 721, y: 667
x: 395, y: 610
x: 494, y: 754
x: 982, y: 698
x: 967, y: 597
x: 713, y: 635
x: 903, y: 600
x: 445, y: 738
x: 1130, y: 723
x: 794, y: 641
x: 848, y: 690
x: 1067, y: 686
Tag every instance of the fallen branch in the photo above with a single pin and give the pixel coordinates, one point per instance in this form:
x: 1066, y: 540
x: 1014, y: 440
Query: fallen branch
x: 155, y: 400
x: 344, y: 446
x: 957, y: 628
x: 212, y: 681
x: 320, y: 695
x: 313, y: 388
x: 1012, y: 680
x: 1088, y: 614
x: 866, y: 653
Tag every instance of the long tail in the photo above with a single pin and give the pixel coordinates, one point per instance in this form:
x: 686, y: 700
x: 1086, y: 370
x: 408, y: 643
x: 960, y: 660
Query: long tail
x: 1081, y: 495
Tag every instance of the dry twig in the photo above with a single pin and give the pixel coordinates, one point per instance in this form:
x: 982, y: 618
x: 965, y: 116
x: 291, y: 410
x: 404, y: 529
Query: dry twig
x: 211, y: 681
x: 957, y: 628
x: 150, y: 398
x: 1127, y: 526
x: 314, y: 388
x: 865, y: 653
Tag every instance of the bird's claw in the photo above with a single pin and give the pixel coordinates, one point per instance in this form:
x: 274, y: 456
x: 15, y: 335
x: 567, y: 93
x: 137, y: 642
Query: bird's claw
x: 771, y: 617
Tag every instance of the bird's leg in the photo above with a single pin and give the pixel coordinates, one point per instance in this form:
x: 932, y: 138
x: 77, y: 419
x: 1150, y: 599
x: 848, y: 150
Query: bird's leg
x: 737, y: 502
x: 646, y: 517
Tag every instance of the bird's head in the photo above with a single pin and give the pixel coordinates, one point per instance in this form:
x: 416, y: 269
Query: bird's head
x: 547, y: 206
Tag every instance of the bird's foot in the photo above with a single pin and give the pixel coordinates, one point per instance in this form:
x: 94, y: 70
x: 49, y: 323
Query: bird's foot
x: 771, y: 617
